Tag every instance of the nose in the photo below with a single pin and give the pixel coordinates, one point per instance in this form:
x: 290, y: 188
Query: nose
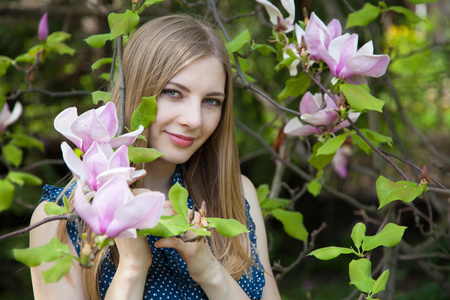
x: 191, y: 115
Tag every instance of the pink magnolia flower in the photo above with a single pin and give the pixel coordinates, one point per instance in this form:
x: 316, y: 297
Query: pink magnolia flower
x: 277, y: 19
x: 116, y: 212
x: 340, y: 160
x: 322, y: 117
x: 43, y: 28
x: 100, y: 163
x: 351, y: 65
x: 96, y: 125
x: 318, y: 36
x: 7, y: 117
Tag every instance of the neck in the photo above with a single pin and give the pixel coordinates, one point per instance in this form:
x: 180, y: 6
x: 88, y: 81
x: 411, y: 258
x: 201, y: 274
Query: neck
x: 159, y: 176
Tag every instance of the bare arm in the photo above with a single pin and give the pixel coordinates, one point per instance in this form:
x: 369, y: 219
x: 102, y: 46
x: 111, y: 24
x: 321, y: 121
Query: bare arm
x: 70, y: 286
x: 270, y: 291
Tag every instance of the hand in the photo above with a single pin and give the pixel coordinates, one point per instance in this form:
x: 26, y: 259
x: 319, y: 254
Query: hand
x: 201, y: 263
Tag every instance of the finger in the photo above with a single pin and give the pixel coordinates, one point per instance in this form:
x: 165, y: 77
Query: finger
x: 167, y: 209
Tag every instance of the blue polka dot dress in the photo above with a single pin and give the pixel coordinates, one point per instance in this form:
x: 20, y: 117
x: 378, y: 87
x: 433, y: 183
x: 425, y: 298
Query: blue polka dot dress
x: 168, y: 276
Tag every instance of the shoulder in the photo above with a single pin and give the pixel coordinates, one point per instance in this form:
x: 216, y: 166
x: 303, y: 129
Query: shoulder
x: 42, y: 234
x: 252, y: 199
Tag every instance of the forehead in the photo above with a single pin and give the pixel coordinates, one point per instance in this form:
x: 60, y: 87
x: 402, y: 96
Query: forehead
x: 206, y: 74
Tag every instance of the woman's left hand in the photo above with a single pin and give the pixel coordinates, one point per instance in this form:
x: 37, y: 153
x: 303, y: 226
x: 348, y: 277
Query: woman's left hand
x: 201, y: 263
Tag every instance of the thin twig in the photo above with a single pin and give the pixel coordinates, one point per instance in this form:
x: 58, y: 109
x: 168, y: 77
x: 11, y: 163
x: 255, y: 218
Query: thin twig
x: 345, y: 197
x: 29, y: 228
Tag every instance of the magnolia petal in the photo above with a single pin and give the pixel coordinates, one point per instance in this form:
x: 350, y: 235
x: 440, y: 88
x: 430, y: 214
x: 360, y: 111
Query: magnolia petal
x: 289, y: 6
x: 299, y: 33
x: 124, y: 172
x: 144, y: 211
x: 366, y: 49
x: 126, y: 139
x: 43, y: 30
x: 334, y: 28
x: 109, y: 197
x: 324, y: 117
x: 108, y: 117
x: 89, y: 129
x: 310, y: 103
x: 85, y: 210
x: 71, y: 159
x: 5, y: 114
x: 296, y: 128
x: 15, y: 114
x: 94, y: 163
x: 316, y: 33
x: 119, y: 158
x: 63, y: 123
x: 272, y: 10
x: 367, y: 65
x: 352, y: 116
x: 339, y: 162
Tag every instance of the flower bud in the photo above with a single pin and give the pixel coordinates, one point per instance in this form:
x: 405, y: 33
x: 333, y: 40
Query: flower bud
x: 43, y: 28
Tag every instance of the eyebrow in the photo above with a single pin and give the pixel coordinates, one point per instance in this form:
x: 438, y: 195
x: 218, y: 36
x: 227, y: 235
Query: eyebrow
x: 186, y: 89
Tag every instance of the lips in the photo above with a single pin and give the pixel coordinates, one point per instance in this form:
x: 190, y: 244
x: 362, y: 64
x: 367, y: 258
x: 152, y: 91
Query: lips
x: 181, y: 140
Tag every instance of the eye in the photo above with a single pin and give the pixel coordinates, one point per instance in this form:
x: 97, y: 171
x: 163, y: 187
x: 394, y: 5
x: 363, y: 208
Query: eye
x: 213, y: 101
x: 171, y: 93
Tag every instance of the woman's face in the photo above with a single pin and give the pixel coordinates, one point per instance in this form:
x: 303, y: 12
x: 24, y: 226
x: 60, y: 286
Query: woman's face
x: 189, y: 110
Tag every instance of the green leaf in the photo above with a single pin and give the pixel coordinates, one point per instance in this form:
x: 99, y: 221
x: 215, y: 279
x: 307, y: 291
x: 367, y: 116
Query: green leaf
x: 389, y: 191
x: 60, y: 48
x: 101, y: 62
x: 49, y: 252
x: 363, y: 16
x: 239, y: 42
x: 100, y: 96
x: 360, y: 275
x: 58, y: 36
x: 178, y: 196
x: 264, y: 49
x: 358, y: 234
x: 332, y: 145
x: 292, y: 223
x: 375, y: 138
x: 390, y: 236
x: 328, y: 253
x: 148, y: 3
x: 20, y: 178
x: 122, y: 23
x: 167, y: 226
x: 60, y: 268
x: 360, y: 99
x: 314, y: 187
x: 380, y: 283
x: 409, y: 15
x: 145, y: 113
x: 26, y: 141
x: 295, y: 86
x: 98, y: 40
x: 5, y: 62
x: 51, y: 208
x: 6, y: 194
x: 263, y: 192
x: 284, y: 63
x: 227, y: 227
x: 143, y: 155
x: 319, y: 161
x: 275, y: 203
x: 13, y: 155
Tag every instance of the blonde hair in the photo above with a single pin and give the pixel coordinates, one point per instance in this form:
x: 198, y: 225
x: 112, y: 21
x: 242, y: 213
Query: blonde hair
x: 156, y: 52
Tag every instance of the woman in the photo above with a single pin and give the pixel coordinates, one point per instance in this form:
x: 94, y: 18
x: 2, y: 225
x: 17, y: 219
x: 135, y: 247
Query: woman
x: 185, y: 64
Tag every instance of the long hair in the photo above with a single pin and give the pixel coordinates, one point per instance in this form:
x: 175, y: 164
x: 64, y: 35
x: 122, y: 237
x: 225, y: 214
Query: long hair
x: 156, y: 52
